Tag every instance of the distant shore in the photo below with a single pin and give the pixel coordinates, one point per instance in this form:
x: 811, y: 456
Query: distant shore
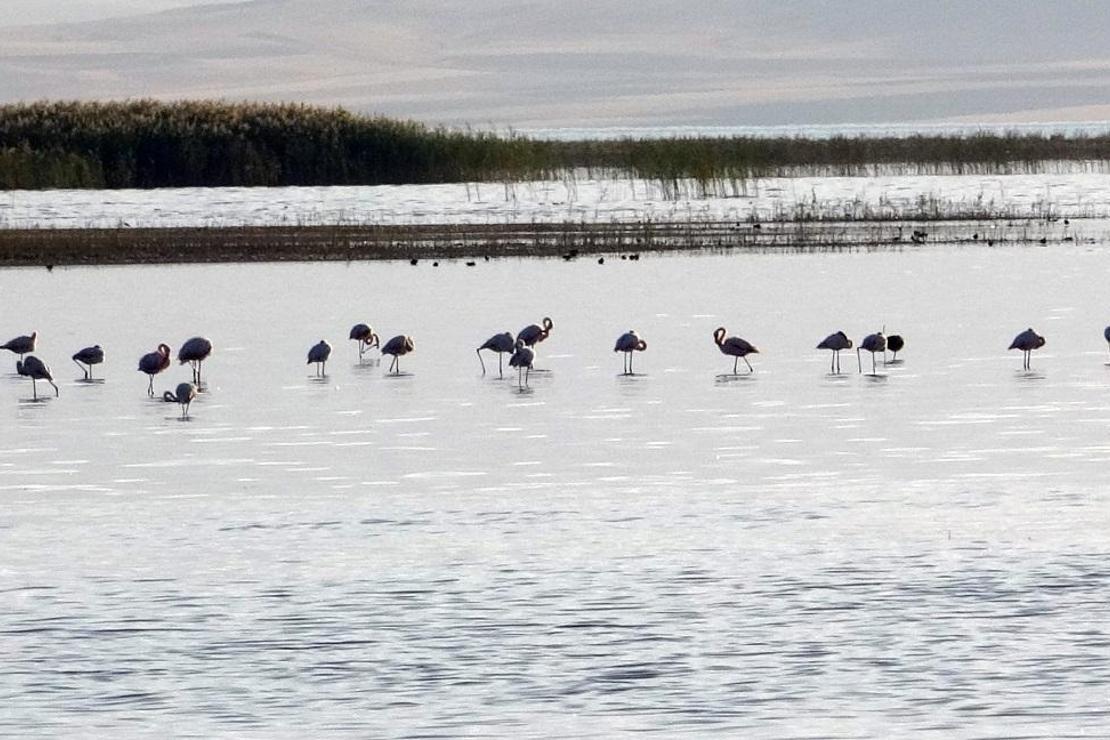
x: 116, y: 246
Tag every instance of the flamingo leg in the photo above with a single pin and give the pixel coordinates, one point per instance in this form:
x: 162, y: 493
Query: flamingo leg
x: 735, y: 361
x: 859, y: 362
x: 86, y: 372
x: 500, y: 373
x: 34, y: 389
x: 480, y: 360
x: 150, y: 386
x: 750, y: 368
x: 873, y: 371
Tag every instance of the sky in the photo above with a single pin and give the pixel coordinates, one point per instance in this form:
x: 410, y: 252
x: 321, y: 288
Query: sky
x: 579, y: 63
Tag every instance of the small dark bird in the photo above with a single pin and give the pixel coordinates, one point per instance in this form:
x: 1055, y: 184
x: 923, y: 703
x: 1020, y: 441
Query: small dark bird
x: 628, y: 343
x: 601, y: 260
x: 413, y: 261
x: 399, y: 345
x: 895, y: 343
x: 871, y: 343
x: 836, y: 342
x: 502, y: 344
x: 319, y: 354
x: 1027, y: 341
x: 88, y: 357
x: 471, y: 264
x: 365, y: 336
x: 735, y: 346
x: 153, y: 363
x: 35, y: 369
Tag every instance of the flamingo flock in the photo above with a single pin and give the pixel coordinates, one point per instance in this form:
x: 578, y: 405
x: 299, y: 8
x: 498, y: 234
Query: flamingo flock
x: 521, y: 350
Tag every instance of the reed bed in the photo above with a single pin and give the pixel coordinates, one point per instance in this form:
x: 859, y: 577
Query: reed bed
x: 475, y: 243
x: 151, y: 144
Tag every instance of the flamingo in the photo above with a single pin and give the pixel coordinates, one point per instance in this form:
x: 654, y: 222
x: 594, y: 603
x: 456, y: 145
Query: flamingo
x: 1027, y: 341
x: 195, y: 351
x: 522, y: 359
x: 835, y: 342
x: 895, y: 343
x: 735, y: 346
x: 1106, y: 335
x: 35, y: 369
x: 21, y: 345
x: 153, y: 363
x: 365, y: 336
x: 399, y: 345
x: 184, y: 395
x: 501, y: 344
x: 628, y: 343
x: 319, y: 354
x: 87, y: 357
x: 871, y: 343
x: 533, y: 334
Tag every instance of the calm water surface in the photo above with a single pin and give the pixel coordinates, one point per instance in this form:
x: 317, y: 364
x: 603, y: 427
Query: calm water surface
x: 682, y: 551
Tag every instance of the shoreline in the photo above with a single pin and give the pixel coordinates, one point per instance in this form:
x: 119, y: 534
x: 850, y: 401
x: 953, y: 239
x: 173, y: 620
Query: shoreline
x: 568, y: 240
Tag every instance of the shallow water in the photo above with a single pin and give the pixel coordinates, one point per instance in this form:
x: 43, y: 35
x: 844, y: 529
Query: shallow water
x: 1078, y: 195
x: 788, y: 553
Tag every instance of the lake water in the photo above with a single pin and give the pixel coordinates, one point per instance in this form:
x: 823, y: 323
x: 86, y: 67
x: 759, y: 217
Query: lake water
x: 583, y: 199
x: 679, y: 552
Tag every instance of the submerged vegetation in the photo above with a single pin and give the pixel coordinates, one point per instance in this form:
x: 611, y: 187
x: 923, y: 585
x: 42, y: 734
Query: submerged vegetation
x: 150, y: 144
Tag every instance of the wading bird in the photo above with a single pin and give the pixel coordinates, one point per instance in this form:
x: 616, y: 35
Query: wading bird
x: 319, y: 353
x: 522, y: 359
x: 502, y: 344
x: 1027, y: 341
x: 871, y: 343
x: 738, y: 348
x: 533, y: 333
x: 365, y: 337
x: 195, y: 351
x: 399, y: 345
x: 21, y: 345
x: 628, y: 343
x: 184, y: 395
x: 35, y: 369
x: 1106, y: 335
x: 153, y: 363
x: 895, y: 343
x: 88, y: 357
x: 835, y: 342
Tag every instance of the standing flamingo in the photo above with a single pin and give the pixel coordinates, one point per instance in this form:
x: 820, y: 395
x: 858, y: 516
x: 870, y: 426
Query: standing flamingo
x: 21, y: 345
x: 501, y: 344
x: 1106, y: 335
x: 195, y: 351
x: 399, y: 345
x: 735, y: 346
x: 522, y: 359
x: 365, y: 336
x: 35, y: 369
x: 895, y: 343
x: 533, y: 334
x: 87, y: 357
x: 835, y: 342
x: 628, y: 343
x: 871, y: 343
x: 184, y: 395
x: 319, y: 353
x: 1027, y: 341
x: 153, y: 363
